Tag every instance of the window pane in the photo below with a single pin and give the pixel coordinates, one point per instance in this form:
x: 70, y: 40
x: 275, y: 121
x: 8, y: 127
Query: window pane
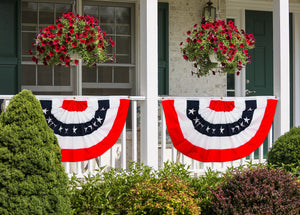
x: 27, y: 39
x: 123, y: 45
x: 89, y: 74
x: 62, y: 76
x: 44, y: 75
x: 105, y: 92
x: 91, y: 10
x: 62, y: 8
x: 123, y: 30
x: 121, y: 75
x: 123, y: 15
x: 53, y: 93
x: 46, y: 13
x: 28, y: 74
x: 107, y: 14
x: 123, y: 59
x: 109, y: 29
x: 105, y: 75
x: 29, y: 12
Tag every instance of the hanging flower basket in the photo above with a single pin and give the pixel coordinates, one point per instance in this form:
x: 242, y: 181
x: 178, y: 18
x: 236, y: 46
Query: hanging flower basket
x: 217, y: 47
x: 79, y: 36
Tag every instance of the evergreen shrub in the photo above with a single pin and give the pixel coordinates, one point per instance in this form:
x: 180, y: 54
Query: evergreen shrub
x: 286, y: 151
x: 32, y: 178
x: 258, y: 190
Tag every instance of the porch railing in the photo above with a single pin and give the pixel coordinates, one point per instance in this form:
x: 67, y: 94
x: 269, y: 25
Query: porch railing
x: 127, y: 147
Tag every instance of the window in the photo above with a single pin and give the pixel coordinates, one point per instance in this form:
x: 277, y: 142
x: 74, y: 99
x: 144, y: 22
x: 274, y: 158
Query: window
x: 103, y: 79
x: 38, y: 78
x: 116, y: 78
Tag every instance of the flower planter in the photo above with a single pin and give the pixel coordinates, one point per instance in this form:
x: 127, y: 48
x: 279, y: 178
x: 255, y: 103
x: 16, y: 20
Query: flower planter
x: 215, y: 46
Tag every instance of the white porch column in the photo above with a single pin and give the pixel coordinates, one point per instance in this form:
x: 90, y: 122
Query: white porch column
x: 281, y: 58
x: 296, y: 42
x: 149, y: 82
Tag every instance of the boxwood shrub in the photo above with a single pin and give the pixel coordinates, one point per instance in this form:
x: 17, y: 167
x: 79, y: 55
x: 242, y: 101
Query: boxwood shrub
x: 286, y: 151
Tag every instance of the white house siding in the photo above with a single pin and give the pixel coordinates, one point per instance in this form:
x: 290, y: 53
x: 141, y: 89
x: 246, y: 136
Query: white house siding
x: 182, y: 16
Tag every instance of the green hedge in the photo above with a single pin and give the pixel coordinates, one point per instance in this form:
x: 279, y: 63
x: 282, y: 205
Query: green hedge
x: 32, y: 178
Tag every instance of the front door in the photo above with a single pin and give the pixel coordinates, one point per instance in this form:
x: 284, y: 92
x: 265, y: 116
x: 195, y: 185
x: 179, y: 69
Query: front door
x: 259, y: 74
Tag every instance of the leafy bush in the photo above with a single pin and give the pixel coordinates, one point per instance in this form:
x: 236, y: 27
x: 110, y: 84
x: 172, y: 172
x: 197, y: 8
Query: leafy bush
x: 286, y: 151
x: 32, y: 178
x: 106, y: 192
x: 257, y: 190
x: 203, y: 186
x: 168, y: 195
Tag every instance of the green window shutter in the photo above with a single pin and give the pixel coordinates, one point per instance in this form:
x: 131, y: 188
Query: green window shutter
x: 10, y: 52
x: 163, y: 48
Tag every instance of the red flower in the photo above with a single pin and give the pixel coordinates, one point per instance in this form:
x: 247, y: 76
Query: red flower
x: 34, y: 59
x: 57, y: 49
x: 67, y: 58
x: 51, y: 53
x: 67, y: 64
x: 99, y: 36
x: 82, y: 41
x: 71, y: 22
x: 78, y: 36
x: 68, y: 40
x: 188, y: 32
x: 76, y: 62
x: 59, y: 33
x: 242, y: 46
x: 30, y: 51
x: 44, y: 43
x: 85, y: 34
x: 60, y: 25
x: 62, y: 58
x: 74, y: 44
x: 185, y: 57
x: 64, y: 51
x: 52, y: 27
x: 86, y: 27
x: 100, y: 45
x: 55, y: 42
x: 46, y: 29
x: 48, y: 58
x: 112, y: 42
x: 92, y: 33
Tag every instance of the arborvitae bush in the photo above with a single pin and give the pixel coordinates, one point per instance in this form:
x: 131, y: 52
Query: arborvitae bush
x: 32, y: 178
x: 286, y: 150
x: 258, y: 190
